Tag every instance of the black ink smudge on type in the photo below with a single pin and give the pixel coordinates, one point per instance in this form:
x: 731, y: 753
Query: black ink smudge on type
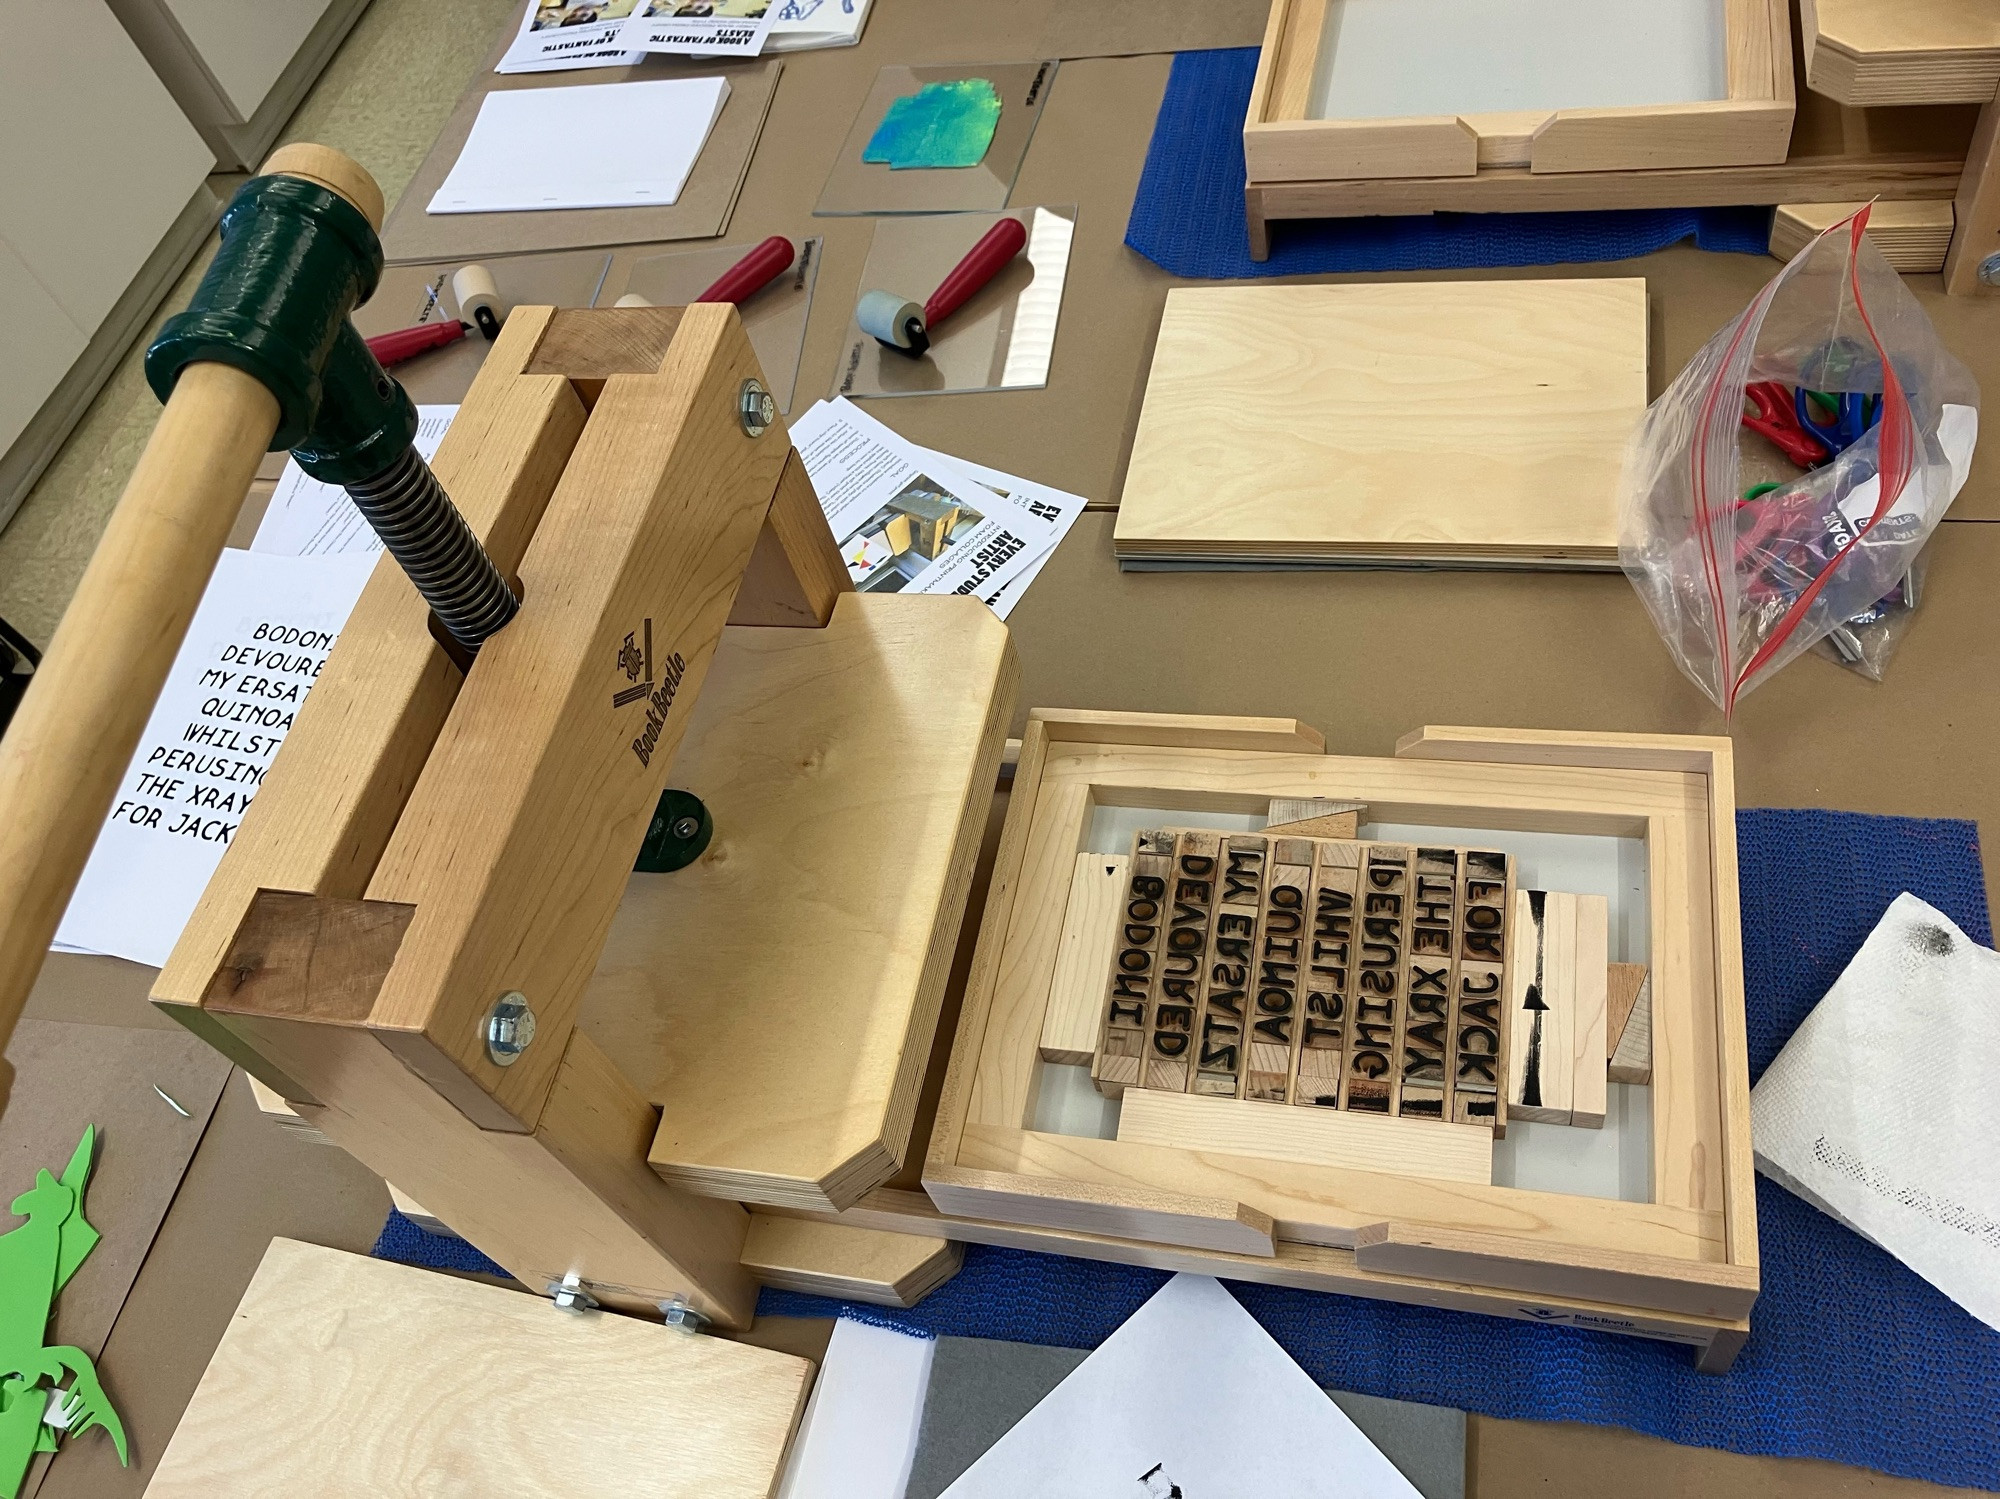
x: 1931, y: 940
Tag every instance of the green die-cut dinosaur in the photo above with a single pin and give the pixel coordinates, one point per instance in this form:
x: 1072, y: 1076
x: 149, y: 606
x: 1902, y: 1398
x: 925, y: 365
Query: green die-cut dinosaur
x: 36, y: 1262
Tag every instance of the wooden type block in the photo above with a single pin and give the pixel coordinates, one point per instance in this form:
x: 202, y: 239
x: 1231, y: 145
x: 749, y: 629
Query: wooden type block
x: 1374, y: 1039
x: 1282, y: 938
x: 1229, y: 970
x: 1632, y: 1062
x: 1128, y: 1007
x: 1313, y: 817
x: 1479, y: 1031
x: 1622, y: 983
x: 1590, y: 965
x: 1423, y: 1060
x: 1320, y: 1044
x: 1074, y: 1022
x: 1170, y: 1030
x: 1542, y: 1008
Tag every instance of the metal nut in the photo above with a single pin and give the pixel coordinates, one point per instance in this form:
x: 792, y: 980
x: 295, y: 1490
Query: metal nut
x: 1989, y: 270
x: 686, y: 827
x: 510, y: 1028
x: 681, y: 1315
x: 570, y: 1296
x: 756, y: 408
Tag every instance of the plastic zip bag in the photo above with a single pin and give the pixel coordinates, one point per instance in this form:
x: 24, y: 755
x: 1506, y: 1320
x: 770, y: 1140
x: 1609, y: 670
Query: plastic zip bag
x: 1739, y: 586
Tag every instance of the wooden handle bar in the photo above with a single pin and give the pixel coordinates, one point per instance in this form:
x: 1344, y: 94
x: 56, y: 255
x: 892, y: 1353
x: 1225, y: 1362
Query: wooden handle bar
x: 74, y: 732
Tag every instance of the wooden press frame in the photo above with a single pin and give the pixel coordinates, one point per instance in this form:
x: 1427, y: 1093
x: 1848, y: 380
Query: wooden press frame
x: 1682, y: 1267
x: 1749, y: 127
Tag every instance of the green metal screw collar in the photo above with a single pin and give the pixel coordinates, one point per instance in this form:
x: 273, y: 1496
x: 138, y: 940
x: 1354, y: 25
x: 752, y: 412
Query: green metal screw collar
x: 677, y: 835
x: 296, y: 259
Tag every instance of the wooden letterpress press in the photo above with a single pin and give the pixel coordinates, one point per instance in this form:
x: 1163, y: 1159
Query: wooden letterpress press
x: 1375, y: 1034
x: 1190, y: 900
x: 1281, y: 953
x: 1427, y: 1026
x: 1479, y: 1036
x: 1230, y: 968
x: 1319, y: 1044
x: 1134, y: 967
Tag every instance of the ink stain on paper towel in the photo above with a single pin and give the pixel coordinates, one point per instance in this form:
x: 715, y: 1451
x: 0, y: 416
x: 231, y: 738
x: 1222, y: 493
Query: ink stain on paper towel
x: 941, y: 125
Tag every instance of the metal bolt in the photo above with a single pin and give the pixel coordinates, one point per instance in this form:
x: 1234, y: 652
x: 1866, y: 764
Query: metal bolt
x: 756, y: 408
x: 1989, y: 270
x: 570, y: 1296
x: 682, y: 1316
x: 510, y: 1028
x: 686, y: 827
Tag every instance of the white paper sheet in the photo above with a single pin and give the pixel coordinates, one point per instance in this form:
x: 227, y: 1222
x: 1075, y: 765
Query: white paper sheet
x: 858, y: 1437
x: 258, y: 639
x: 1880, y: 1111
x: 590, y: 145
x: 1057, y: 506
x: 871, y: 483
x: 1190, y: 1397
x: 803, y: 25
x: 309, y: 519
x: 702, y: 28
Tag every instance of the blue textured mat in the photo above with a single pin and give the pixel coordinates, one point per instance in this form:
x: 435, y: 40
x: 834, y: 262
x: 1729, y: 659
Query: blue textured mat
x: 1851, y: 1357
x: 403, y: 1241
x: 1188, y: 216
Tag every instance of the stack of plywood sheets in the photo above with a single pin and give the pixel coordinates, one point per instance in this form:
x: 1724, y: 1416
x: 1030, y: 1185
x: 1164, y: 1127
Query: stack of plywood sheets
x: 1902, y: 51
x: 1445, y: 424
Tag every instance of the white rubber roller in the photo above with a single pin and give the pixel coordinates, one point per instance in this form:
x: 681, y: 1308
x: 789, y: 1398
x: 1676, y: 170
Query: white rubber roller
x: 887, y: 318
x: 631, y: 299
x: 478, y: 298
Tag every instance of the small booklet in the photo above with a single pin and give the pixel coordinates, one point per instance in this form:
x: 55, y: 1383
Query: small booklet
x: 591, y: 145
x: 909, y: 520
x: 617, y: 33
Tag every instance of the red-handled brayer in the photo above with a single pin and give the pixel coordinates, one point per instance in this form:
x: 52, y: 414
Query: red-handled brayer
x: 905, y: 327
x: 408, y: 343
x: 766, y: 262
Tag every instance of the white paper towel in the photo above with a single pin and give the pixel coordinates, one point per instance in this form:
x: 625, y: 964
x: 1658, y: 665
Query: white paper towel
x: 1882, y: 1112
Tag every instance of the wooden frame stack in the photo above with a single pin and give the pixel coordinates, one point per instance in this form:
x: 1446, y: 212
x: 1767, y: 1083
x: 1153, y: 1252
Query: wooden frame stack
x: 1681, y: 1267
x: 1303, y: 169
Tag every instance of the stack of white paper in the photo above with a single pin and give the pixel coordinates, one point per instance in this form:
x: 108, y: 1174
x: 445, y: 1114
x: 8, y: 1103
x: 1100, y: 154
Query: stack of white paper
x: 594, y: 145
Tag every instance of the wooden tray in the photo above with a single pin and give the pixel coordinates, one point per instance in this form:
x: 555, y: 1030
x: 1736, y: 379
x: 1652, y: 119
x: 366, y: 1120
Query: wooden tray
x: 1682, y: 1267
x: 1750, y: 126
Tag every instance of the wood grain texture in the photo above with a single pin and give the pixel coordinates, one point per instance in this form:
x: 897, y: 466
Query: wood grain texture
x: 777, y: 999
x: 1310, y: 1137
x: 1308, y: 150
x: 1623, y: 984
x: 1722, y: 1291
x: 1327, y: 1204
x: 1912, y: 237
x: 1588, y: 1083
x: 73, y: 733
x: 1303, y: 1267
x: 309, y: 957
x: 1451, y: 419
x: 1901, y: 51
x: 519, y: 835
x: 1075, y: 1017
x: 1632, y: 1061
x: 1721, y: 133
x: 858, y: 1264
x: 332, y: 796
x: 1976, y: 210
x: 795, y: 575
x: 1148, y: 1214
x: 576, y: 1195
x: 1178, y: 730
x: 341, y: 1375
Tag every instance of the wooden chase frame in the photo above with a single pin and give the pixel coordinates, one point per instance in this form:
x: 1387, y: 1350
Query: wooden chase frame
x: 1749, y: 127
x: 1682, y: 1267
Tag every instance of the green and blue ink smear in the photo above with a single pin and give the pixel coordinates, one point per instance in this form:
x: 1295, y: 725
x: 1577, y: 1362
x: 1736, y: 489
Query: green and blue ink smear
x: 941, y: 125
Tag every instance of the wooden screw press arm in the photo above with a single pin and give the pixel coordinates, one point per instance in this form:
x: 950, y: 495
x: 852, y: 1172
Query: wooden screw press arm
x: 75, y: 730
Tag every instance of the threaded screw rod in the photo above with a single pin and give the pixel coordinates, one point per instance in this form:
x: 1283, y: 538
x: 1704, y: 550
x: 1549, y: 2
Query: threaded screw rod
x: 425, y: 533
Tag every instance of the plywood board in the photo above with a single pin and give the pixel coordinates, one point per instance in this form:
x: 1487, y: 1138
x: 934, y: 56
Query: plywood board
x: 344, y: 1375
x: 1089, y: 937
x: 776, y: 999
x: 1911, y: 236
x: 1902, y: 51
x: 1448, y: 421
